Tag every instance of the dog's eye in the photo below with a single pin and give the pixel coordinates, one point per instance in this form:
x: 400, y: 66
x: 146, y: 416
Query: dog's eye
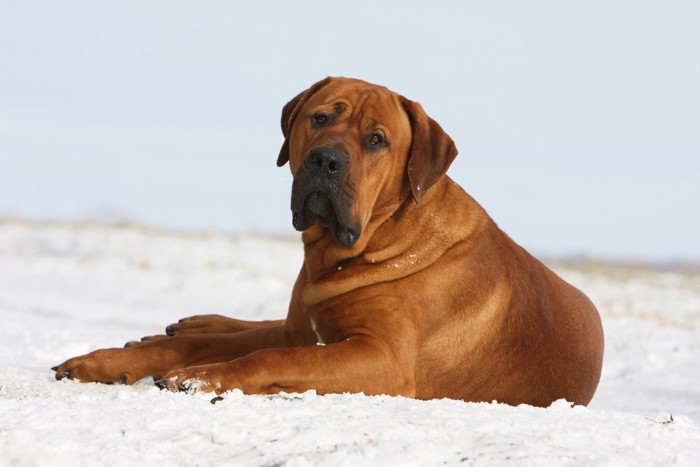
x: 319, y: 120
x: 376, y: 140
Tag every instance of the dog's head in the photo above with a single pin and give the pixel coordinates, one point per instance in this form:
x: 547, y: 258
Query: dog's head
x: 355, y: 148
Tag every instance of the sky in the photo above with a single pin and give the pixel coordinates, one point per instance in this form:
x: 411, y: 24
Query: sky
x: 577, y: 123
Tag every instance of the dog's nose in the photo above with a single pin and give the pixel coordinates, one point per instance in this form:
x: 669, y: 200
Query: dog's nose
x: 327, y: 160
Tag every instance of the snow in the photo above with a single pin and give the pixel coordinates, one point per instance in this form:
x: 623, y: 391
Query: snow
x: 66, y: 289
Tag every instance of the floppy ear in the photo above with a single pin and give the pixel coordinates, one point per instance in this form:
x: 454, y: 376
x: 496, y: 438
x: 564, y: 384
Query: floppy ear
x: 432, y: 150
x: 289, y: 114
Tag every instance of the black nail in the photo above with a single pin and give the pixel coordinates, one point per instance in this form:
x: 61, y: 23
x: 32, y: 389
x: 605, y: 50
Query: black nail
x: 184, y: 386
x: 161, y: 383
x: 144, y: 338
x: 64, y: 374
x: 122, y: 380
x: 169, y: 331
x: 216, y: 399
x: 181, y: 320
x: 128, y: 344
x: 54, y: 368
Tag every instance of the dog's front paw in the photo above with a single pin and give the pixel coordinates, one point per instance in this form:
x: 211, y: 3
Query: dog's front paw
x: 146, y: 340
x: 189, y: 380
x: 202, y: 324
x: 108, y: 366
x: 205, y: 378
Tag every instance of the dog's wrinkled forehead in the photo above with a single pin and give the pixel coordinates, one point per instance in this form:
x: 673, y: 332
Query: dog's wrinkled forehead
x: 356, y: 100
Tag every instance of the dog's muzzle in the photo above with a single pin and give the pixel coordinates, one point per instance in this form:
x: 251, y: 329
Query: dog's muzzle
x: 320, y: 193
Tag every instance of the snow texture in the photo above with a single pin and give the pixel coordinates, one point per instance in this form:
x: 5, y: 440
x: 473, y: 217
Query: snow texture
x: 66, y: 289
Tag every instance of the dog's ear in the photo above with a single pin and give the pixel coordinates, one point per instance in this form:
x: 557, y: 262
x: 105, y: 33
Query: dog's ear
x: 432, y: 150
x: 289, y: 114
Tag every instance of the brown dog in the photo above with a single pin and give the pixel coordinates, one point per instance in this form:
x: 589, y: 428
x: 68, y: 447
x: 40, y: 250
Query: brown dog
x: 407, y: 288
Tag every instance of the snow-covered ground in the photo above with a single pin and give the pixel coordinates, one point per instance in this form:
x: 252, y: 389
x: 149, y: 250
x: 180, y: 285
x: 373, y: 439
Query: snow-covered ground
x: 66, y: 289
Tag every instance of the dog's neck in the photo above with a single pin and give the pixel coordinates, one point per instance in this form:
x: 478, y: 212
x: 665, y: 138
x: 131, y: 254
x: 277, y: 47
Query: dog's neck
x: 380, y: 255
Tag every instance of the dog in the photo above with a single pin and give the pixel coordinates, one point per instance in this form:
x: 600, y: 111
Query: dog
x: 408, y: 287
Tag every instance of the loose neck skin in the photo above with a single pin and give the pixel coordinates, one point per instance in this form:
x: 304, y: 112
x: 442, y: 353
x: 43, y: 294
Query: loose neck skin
x: 425, y: 233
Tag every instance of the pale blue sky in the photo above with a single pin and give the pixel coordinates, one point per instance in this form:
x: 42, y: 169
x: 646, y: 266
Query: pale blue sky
x: 578, y: 123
